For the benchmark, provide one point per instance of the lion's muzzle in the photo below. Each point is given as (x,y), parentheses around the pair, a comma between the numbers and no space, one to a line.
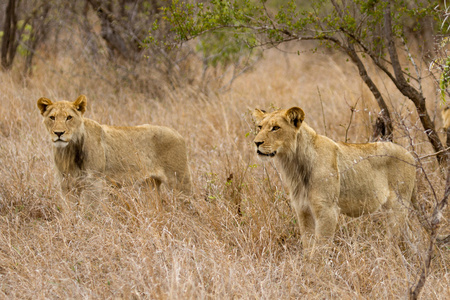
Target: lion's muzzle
(259,152)
(59,140)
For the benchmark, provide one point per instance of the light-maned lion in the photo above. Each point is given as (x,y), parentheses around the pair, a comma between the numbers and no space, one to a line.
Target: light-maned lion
(84,149)
(446,117)
(326,178)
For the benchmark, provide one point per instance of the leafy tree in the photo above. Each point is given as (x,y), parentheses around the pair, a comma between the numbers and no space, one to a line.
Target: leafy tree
(359,28)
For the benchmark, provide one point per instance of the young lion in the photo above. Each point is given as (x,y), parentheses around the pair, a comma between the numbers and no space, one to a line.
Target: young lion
(325,178)
(446,117)
(85,150)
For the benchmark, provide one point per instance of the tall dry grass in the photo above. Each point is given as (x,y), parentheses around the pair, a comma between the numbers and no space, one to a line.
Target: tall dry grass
(236,237)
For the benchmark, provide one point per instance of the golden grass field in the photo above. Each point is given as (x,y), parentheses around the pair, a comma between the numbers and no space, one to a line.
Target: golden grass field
(200,246)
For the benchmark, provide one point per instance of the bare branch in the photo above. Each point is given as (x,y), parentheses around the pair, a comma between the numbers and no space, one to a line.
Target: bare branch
(407,90)
(434,154)
(416,68)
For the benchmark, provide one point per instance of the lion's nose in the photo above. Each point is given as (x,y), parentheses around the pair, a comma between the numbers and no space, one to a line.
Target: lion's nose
(58,133)
(258,143)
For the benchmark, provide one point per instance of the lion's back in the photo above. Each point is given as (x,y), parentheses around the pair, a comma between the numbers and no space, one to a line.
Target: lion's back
(150,139)
(383,156)
(144,151)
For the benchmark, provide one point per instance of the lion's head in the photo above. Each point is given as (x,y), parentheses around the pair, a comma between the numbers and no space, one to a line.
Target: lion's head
(63,119)
(277,130)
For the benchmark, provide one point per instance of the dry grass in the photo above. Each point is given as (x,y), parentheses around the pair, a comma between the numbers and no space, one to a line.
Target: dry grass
(198,247)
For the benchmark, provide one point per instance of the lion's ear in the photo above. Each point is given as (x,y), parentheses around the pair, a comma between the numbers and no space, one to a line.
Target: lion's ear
(80,104)
(43,103)
(295,116)
(258,114)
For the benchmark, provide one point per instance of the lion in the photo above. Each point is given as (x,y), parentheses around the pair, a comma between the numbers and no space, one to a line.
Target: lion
(446,117)
(85,151)
(326,178)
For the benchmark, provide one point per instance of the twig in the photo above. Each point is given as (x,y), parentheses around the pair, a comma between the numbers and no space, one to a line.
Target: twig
(434,154)
(419,77)
(352,109)
(323,113)
(246,67)
(434,224)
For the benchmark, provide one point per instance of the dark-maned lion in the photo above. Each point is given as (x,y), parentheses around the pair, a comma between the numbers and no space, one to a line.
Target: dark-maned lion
(326,178)
(84,149)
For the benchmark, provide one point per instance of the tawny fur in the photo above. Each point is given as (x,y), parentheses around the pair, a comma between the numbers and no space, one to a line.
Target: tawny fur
(326,178)
(446,117)
(87,151)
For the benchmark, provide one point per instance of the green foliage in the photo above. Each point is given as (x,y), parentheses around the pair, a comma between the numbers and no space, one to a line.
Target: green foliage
(443,64)
(246,24)
(225,47)
(445,78)
(24,38)
(219,24)
(188,21)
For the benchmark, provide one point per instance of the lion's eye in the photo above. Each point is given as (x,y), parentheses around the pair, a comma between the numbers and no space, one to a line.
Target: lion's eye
(259,127)
(275,128)
(52,118)
(69,118)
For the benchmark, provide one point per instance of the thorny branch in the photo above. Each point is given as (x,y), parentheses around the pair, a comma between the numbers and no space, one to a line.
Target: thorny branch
(432,225)
(436,218)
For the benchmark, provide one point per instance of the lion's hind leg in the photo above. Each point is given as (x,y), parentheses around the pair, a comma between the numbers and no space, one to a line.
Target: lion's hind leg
(152,186)
(186,184)
(154,183)
(180,182)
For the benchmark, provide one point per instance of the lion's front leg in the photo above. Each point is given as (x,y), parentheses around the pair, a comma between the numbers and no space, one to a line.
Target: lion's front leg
(325,211)
(326,218)
(86,189)
(70,189)
(307,226)
(305,219)
(316,221)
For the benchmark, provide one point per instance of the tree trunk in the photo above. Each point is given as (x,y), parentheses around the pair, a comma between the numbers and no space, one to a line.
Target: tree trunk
(383,128)
(109,33)
(409,91)
(9,36)
(39,31)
